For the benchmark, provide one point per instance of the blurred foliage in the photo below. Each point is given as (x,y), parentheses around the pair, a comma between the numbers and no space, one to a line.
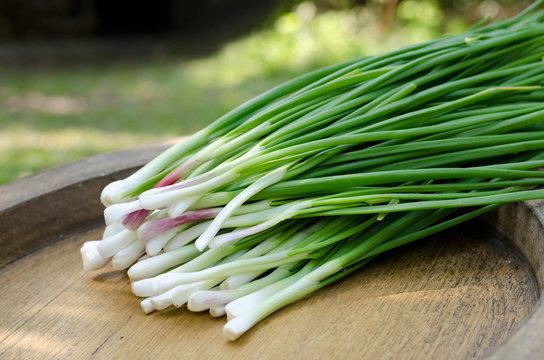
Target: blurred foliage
(57,115)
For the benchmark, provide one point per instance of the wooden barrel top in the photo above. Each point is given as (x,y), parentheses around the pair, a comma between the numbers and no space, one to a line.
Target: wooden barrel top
(471,292)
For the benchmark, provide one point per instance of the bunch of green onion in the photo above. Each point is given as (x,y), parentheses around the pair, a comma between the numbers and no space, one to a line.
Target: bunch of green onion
(309,181)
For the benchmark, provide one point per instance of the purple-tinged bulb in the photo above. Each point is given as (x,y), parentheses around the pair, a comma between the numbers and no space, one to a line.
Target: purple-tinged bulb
(133,220)
(156,226)
(136,218)
(169,179)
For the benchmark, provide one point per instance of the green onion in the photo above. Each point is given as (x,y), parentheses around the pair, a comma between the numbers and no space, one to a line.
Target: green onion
(311,180)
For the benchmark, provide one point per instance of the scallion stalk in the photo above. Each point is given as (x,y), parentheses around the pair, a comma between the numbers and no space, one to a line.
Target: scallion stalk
(311,180)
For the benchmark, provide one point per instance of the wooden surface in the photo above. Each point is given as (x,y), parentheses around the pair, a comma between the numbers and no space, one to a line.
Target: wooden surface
(471,292)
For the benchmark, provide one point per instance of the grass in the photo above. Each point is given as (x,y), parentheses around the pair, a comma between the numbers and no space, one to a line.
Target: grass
(50,118)
(53,116)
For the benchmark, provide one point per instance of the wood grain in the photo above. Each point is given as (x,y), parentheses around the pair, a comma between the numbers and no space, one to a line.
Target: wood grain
(467,293)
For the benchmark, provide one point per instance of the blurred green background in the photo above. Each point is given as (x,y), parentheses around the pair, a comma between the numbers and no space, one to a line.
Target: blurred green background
(55,113)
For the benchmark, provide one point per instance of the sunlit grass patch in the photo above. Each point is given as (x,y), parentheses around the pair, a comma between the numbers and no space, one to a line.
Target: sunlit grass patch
(24,150)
